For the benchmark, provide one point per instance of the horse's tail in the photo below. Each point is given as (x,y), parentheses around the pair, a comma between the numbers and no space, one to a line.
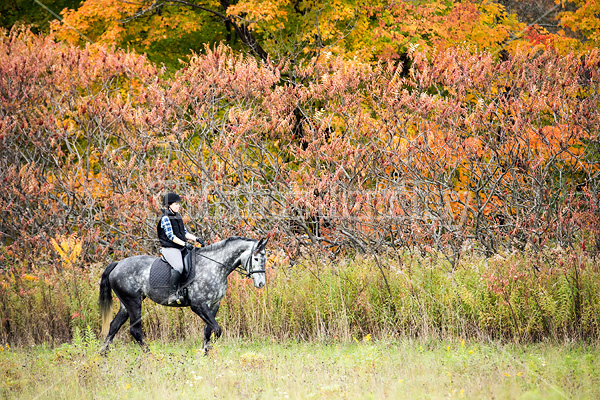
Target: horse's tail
(105,299)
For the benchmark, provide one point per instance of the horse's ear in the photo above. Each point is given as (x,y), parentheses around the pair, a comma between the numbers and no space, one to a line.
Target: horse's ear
(261,245)
(257,248)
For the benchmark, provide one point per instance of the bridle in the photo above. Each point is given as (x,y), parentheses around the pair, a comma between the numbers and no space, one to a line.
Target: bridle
(246,271)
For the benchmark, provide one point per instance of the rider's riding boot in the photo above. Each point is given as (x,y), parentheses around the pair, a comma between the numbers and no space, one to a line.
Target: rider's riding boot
(174,296)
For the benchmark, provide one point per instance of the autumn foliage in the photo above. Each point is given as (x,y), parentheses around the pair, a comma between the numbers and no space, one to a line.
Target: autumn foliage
(447,151)
(447,154)
(282,29)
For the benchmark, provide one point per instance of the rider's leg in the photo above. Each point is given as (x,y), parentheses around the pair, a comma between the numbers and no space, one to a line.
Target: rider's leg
(174,296)
(173,257)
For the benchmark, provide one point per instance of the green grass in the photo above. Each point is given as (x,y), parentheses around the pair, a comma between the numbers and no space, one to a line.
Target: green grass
(303,370)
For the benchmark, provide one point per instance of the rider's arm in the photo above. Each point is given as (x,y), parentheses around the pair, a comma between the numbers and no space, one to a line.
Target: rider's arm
(191,237)
(195,239)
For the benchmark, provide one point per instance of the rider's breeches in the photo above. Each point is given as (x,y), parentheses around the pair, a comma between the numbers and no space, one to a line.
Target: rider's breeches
(173,257)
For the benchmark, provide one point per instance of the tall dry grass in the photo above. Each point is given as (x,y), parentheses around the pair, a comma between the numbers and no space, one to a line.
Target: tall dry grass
(523,297)
(517,297)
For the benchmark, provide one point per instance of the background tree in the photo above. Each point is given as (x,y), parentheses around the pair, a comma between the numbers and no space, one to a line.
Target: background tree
(30,12)
(292,30)
(582,18)
(166,34)
(169,30)
(543,13)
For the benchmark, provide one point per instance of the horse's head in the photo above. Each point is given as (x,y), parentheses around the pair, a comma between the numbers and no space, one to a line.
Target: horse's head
(255,264)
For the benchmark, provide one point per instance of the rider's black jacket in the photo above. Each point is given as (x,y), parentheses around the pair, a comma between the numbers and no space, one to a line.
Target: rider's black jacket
(178,230)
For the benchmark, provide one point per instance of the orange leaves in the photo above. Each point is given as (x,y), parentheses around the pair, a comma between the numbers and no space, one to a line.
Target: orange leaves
(455,145)
(564,143)
(97,19)
(479,25)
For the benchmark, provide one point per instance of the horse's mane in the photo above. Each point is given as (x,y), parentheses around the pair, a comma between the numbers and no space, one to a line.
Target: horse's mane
(222,243)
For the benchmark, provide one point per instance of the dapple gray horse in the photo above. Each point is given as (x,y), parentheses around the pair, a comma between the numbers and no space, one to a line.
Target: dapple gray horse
(130,280)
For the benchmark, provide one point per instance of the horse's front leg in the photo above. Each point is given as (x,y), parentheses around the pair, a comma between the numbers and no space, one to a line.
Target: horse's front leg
(206,343)
(208,316)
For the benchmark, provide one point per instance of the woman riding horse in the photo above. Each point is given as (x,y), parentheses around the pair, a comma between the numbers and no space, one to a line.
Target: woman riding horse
(130,281)
(173,238)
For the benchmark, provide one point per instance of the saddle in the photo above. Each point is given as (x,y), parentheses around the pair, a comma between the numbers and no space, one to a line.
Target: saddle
(160,276)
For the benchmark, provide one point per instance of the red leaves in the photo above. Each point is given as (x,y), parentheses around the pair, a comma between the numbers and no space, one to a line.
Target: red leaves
(460,147)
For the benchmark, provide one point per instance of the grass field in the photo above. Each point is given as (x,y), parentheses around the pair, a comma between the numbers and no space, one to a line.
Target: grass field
(324,330)
(363,369)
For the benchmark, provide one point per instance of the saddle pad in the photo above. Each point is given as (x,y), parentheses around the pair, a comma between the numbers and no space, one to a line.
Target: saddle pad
(160,276)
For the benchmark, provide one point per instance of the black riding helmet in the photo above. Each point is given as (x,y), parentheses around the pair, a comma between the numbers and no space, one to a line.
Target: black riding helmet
(171,198)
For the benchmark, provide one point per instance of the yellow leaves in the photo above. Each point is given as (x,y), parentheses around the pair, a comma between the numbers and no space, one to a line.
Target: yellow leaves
(169,26)
(30,278)
(365,339)
(252,360)
(161,31)
(260,14)
(68,248)
(583,20)
(97,19)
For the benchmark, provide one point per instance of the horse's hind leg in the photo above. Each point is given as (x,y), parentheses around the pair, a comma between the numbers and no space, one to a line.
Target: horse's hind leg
(115,325)
(134,308)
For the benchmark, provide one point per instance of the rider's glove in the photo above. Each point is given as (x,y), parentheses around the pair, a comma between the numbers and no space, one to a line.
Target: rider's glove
(200,241)
(189,246)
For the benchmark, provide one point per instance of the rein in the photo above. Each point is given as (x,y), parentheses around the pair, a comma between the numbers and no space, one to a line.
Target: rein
(246,272)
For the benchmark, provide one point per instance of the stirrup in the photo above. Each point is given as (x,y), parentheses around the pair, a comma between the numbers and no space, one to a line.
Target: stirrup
(174,298)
